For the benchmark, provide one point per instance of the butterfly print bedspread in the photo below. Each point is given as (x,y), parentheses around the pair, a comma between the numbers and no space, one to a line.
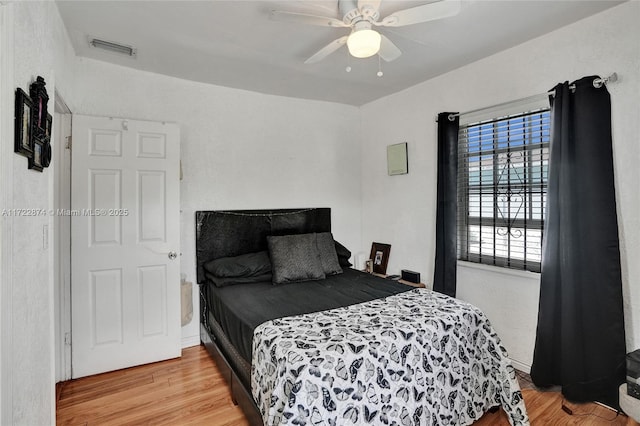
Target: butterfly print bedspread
(416,358)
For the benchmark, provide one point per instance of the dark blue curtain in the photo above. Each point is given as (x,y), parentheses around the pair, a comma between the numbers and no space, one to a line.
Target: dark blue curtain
(444,280)
(580,341)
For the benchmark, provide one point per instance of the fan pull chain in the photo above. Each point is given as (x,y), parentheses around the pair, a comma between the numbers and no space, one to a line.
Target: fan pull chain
(380,73)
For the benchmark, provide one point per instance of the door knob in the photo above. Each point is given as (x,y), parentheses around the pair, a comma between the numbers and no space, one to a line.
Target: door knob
(173,255)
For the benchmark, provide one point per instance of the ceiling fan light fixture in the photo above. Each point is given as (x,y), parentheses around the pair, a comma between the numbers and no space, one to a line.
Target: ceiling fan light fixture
(364,43)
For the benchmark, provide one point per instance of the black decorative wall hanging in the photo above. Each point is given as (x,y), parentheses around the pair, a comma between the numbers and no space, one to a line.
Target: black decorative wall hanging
(33,125)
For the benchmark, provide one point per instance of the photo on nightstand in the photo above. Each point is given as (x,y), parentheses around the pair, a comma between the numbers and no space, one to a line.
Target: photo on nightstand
(380,256)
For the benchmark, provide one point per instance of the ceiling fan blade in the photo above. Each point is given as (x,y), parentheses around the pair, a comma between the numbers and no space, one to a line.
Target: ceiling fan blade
(424,13)
(304,18)
(388,51)
(327,50)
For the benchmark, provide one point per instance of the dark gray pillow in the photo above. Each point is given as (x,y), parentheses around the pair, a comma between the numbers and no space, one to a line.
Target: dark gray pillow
(245,265)
(343,254)
(328,256)
(294,258)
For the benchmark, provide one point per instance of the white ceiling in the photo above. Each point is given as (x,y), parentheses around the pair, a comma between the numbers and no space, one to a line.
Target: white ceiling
(235,44)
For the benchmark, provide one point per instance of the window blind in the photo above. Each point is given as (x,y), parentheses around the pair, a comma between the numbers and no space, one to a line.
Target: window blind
(502,187)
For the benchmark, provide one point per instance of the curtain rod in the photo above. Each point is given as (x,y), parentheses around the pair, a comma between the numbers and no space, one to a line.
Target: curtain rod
(597,83)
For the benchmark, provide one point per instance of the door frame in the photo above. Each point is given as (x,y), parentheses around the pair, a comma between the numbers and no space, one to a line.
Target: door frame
(61,238)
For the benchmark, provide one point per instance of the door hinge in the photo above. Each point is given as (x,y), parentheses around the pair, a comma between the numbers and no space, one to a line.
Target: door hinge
(67,339)
(68,144)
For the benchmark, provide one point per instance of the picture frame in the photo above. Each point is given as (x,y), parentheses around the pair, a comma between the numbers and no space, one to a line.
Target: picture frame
(35,161)
(23,120)
(380,257)
(397,162)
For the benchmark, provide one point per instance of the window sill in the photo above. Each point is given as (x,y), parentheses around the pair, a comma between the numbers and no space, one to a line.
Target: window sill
(499,270)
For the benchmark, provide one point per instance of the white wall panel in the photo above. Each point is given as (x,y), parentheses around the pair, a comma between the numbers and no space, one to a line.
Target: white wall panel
(106,306)
(152,282)
(105,229)
(150,145)
(105,143)
(151,206)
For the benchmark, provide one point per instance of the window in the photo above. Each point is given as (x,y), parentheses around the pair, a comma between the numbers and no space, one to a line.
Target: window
(502,188)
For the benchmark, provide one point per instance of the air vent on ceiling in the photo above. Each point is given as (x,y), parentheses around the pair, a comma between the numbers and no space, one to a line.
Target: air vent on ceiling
(112,47)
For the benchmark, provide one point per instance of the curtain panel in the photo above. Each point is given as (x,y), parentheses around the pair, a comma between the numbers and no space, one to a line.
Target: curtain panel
(444,280)
(580,340)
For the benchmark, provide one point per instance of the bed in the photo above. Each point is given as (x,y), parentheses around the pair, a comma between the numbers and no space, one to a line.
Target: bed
(347,348)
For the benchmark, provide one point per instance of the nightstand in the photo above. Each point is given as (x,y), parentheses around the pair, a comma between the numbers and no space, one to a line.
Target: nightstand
(417,285)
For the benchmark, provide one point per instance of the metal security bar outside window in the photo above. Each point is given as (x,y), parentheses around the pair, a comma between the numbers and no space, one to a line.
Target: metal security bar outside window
(502,188)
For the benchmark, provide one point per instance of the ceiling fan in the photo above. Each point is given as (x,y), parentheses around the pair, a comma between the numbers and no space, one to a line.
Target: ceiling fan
(361,16)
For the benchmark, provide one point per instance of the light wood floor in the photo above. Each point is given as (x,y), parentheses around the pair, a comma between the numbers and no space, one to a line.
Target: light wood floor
(545,408)
(190,391)
(182,391)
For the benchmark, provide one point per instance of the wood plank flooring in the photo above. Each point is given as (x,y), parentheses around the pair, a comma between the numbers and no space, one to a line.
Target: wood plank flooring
(191,391)
(545,408)
(183,391)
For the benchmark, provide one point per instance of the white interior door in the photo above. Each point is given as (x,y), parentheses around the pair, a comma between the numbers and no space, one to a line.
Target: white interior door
(125,269)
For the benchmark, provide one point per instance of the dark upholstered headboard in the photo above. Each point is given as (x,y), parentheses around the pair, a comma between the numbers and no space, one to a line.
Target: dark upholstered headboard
(224,233)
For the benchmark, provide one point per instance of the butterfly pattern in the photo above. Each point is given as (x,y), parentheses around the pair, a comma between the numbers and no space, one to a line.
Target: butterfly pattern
(415,358)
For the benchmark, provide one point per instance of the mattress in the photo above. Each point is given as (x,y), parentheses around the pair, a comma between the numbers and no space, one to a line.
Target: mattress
(240,309)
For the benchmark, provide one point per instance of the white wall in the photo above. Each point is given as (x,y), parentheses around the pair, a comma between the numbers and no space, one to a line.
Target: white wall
(39,47)
(400,210)
(240,150)
(6,201)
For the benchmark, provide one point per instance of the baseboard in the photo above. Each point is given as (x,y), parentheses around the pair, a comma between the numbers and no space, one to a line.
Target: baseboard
(189,341)
(520,366)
